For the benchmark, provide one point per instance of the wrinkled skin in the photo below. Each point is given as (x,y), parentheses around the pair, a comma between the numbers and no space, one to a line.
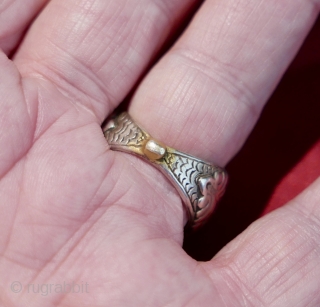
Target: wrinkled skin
(72,211)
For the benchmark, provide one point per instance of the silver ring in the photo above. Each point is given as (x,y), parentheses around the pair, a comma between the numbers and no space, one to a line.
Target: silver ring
(199,183)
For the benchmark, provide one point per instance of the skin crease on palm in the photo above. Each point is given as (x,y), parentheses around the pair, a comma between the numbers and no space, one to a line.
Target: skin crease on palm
(74,211)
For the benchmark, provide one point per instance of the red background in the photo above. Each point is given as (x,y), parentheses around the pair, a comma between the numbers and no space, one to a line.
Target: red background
(280,158)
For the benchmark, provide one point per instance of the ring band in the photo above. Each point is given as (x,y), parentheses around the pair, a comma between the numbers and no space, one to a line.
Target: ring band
(199,183)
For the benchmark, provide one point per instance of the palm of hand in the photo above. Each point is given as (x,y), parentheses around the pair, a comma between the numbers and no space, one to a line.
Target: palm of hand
(76,212)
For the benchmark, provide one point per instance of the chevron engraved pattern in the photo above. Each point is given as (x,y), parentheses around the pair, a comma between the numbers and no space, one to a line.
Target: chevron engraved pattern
(202,182)
(124,132)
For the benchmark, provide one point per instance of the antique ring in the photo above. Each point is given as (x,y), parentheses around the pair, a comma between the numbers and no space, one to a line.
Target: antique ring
(199,183)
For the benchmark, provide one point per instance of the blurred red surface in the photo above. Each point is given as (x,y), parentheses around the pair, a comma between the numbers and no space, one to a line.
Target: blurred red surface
(279,160)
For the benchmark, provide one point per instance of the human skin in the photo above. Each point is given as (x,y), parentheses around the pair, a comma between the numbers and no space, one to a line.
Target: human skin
(75,212)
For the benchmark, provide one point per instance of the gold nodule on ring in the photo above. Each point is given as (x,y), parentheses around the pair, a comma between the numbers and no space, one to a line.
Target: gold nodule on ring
(154,150)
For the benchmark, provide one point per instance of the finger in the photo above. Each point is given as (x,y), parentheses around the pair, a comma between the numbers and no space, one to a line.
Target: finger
(206,94)
(15,16)
(95,51)
(275,262)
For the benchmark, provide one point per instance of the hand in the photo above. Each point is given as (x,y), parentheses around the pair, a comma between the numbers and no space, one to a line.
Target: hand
(86,226)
